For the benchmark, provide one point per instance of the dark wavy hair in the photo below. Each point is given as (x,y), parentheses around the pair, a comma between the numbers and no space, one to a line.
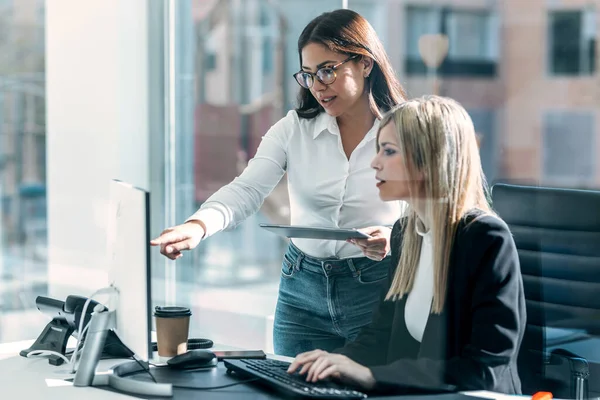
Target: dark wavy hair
(347,32)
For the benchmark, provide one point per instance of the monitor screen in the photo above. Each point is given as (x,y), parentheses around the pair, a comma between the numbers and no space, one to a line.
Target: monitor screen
(128,248)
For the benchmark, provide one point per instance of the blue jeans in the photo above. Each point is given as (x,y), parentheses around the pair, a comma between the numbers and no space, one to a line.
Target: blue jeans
(323,303)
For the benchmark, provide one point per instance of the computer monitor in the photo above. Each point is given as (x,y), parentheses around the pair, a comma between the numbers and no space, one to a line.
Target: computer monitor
(128,247)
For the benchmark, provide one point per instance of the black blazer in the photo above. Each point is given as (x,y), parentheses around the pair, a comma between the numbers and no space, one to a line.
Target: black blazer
(474,343)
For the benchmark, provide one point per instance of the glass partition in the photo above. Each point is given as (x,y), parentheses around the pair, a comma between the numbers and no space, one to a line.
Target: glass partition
(23,227)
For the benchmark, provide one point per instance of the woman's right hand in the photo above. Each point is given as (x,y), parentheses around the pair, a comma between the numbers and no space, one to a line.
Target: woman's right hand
(174,240)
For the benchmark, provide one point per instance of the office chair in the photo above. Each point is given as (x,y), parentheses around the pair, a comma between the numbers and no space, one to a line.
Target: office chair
(557,234)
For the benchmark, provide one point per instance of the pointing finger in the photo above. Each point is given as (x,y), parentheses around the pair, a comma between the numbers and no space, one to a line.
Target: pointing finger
(167,237)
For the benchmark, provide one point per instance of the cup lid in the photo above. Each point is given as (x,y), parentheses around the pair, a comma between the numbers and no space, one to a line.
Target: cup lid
(171,312)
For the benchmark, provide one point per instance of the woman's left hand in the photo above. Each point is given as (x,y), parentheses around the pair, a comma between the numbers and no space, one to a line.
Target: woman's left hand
(378,245)
(319,365)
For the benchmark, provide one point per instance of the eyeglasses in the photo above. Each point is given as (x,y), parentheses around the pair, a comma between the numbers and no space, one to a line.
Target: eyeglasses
(325,75)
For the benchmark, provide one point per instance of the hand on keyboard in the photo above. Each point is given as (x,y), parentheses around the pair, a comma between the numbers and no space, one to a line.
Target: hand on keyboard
(319,365)
(274,373)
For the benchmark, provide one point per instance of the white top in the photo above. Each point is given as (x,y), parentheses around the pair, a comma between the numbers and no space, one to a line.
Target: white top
(325,188)
(418,302)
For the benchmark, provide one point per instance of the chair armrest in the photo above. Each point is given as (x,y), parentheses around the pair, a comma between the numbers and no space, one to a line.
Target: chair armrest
(578,365)
(568,373)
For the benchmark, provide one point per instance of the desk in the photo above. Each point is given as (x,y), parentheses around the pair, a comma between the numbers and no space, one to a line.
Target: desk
(34,378)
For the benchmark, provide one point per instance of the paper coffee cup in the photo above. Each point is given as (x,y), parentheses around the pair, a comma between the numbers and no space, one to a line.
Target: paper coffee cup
(172,329)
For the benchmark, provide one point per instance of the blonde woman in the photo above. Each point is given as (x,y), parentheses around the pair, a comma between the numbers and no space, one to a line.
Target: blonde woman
(452,315)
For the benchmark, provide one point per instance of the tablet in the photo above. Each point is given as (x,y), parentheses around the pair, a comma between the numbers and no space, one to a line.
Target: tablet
(307,232)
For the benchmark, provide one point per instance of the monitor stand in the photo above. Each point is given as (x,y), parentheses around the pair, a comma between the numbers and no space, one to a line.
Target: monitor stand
(101,324)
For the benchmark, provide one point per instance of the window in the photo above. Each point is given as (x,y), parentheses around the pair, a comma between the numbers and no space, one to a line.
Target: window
(420,21)
(572,43)
(568,148)
(533,130)
(210,51)
(211,61)
(23,222)
(472,37)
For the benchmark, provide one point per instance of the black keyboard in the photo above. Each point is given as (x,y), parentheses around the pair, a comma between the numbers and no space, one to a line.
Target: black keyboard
(273,373)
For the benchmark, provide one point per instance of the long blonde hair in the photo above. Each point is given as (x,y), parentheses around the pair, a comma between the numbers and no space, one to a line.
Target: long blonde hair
(437,140)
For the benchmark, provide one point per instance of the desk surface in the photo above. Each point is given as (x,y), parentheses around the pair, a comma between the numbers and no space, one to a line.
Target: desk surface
(32,378)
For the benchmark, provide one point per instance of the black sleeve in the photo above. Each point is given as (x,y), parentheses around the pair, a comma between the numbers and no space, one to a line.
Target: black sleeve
(371,345)
(498,319)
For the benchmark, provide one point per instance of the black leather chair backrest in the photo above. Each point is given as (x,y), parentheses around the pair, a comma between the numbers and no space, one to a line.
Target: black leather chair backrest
(557,233)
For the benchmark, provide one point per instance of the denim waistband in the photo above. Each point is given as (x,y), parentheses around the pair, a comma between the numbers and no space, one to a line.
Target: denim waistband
(328,266)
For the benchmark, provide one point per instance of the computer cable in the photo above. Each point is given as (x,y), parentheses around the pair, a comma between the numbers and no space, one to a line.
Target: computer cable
(47,353)
(215,387)
(147,370)
(106,290)
(144,367)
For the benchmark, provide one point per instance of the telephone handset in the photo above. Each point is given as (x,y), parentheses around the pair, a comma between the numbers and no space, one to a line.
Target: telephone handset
(66,316)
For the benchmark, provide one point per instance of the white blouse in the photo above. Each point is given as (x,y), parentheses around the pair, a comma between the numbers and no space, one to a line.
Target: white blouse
(326,189)
(418,302)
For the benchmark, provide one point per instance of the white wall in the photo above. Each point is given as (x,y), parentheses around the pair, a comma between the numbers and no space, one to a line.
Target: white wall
(97,113)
